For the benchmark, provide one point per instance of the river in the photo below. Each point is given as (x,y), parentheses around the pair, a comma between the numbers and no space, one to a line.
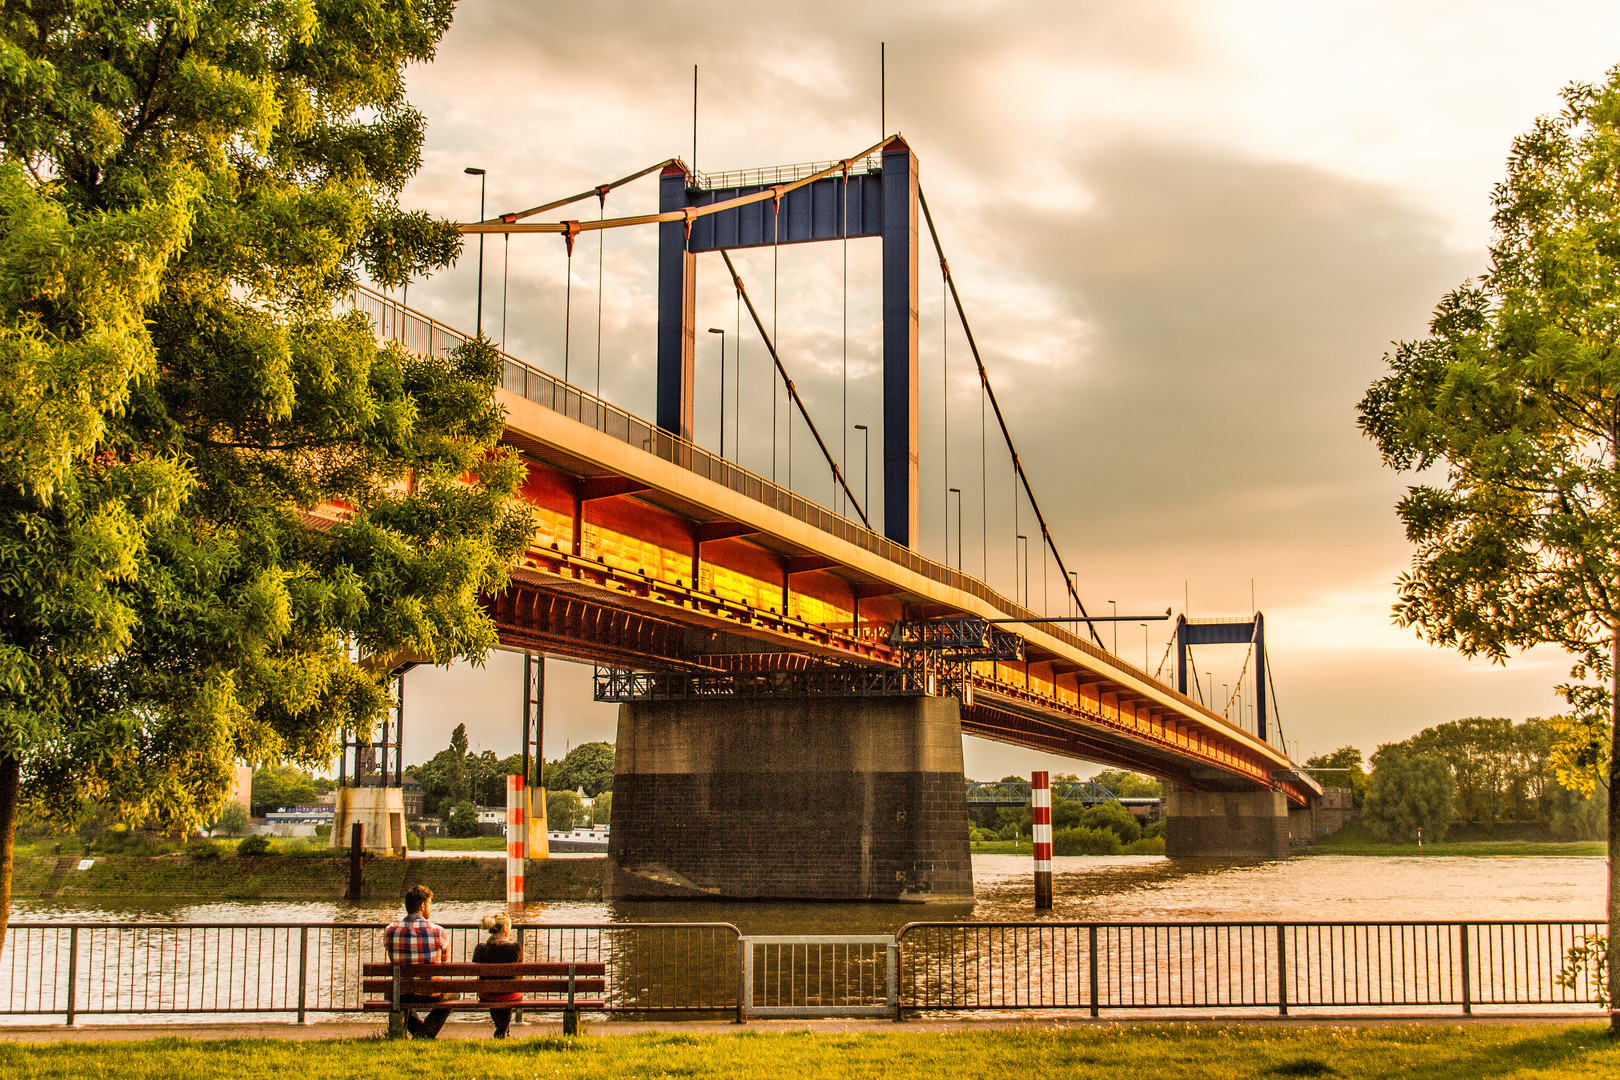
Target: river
(1318,888)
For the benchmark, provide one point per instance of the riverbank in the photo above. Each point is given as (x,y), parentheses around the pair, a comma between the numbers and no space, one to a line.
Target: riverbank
(1163,1051)
(293,877)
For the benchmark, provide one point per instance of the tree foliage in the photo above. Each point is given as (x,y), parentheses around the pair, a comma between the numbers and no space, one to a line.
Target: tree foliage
(1341,769)
(1512,405)
(587,767)
(187,193)
(1409,791)
(276,786)
(1130,785)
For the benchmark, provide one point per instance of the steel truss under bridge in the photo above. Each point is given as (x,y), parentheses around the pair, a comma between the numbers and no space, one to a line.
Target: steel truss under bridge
(941,652)
(619,685)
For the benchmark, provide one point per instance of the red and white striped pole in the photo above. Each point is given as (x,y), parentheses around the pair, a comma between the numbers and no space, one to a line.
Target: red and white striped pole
(517,835)
(1040,806)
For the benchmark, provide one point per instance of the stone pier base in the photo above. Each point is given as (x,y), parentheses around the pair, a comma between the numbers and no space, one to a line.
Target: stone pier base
(1226,825)
(791,799)
(381,810)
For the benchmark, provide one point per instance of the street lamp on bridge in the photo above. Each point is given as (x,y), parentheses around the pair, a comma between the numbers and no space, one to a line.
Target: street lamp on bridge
(478,323)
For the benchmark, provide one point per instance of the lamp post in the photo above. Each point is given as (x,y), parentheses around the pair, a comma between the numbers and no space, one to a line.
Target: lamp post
(1074,602)
(479,322)
(1025,541)
(1144,648)
(1114,611)
(866,468)
(958,493)
(722,333)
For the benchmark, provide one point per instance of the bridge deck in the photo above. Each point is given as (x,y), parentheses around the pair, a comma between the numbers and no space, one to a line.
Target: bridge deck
(653,553)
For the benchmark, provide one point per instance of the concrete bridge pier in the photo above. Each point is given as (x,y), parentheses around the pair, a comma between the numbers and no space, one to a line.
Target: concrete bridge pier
(1226,825)
(830,798)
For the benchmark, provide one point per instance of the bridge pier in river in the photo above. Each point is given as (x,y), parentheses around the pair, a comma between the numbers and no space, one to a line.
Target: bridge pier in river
(1226,824)
(824,798)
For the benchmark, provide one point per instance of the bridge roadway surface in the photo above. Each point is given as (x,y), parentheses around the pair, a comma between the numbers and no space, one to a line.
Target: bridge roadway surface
(653,554)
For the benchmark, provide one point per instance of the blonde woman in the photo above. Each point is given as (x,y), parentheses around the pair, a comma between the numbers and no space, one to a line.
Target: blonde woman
(499,948)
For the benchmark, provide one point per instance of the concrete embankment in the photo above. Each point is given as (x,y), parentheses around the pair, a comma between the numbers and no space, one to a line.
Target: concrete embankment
(286,877)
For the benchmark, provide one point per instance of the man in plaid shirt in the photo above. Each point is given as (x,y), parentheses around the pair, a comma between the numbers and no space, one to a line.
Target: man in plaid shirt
(417,940)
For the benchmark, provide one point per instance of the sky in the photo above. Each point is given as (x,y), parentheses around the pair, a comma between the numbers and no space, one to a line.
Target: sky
(1186,235)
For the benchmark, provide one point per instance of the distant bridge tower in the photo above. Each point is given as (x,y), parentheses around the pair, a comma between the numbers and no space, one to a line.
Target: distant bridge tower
(1227,632)
(881,204)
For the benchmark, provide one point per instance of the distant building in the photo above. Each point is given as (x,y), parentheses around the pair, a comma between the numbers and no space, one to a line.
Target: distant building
(242,787)
(413,798)
(296,820)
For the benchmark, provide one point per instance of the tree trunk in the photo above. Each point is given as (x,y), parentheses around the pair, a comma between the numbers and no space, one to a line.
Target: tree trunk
(10,782)
(1614,827)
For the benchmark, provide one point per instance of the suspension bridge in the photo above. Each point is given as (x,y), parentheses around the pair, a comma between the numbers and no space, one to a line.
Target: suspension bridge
(795,679)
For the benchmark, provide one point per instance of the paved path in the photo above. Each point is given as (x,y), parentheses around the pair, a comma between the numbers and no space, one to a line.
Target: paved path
(481,1029)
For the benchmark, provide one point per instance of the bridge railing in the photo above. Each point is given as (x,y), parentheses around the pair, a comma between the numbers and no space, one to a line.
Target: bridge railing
(396,322)
(1246,965)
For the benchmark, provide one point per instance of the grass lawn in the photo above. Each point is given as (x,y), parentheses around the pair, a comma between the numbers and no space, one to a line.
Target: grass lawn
(1468,847)
(1161,1052)
(465,843)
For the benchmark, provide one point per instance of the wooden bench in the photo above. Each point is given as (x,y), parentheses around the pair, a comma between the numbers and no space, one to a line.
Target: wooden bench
(548,986)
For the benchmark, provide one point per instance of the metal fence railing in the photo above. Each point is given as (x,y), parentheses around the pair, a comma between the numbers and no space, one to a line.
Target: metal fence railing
(248,969)
(1193,966)
(813,975)
(90,969)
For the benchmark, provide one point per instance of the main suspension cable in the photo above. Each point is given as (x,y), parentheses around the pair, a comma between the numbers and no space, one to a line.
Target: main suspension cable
(984,379)
(793,392)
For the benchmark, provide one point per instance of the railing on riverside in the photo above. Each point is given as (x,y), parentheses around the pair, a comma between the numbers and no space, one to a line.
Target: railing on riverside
(1244,965)
(92,969)
(801,976)
(153,969)
(395,322)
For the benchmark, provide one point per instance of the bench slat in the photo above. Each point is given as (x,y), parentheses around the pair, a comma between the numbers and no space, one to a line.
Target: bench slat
(546,967)
(481,1006)
(484,986)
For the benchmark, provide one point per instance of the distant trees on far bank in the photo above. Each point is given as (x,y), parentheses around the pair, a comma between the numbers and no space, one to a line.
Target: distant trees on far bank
(1486,775)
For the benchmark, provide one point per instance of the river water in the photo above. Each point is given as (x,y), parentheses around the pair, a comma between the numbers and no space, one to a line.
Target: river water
(1319,888)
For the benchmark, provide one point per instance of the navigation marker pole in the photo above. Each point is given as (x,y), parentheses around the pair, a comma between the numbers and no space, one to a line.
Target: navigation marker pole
(517,834)
(1040,805)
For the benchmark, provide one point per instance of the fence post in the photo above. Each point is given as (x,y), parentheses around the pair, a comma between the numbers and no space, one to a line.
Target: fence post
(73,974)
(303,970)
(745,978)
(357,833)
(1467,978)
(396,1015)
(893,987)
(571,1014)
(1095,1007)
(1282,971)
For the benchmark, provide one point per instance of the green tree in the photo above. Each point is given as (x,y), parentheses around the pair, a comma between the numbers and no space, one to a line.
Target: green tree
(233,820)
(462,819)
(1342,769)
(602,809)
(588,766)
(1512,402)
(1409,791)
(1130,785)
(1113,817)
(281,785)
(188,192)
(562,810)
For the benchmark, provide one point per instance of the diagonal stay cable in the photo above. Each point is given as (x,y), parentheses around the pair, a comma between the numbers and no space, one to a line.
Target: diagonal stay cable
(984,379)
(600,192)
(689,214)
(793,391)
